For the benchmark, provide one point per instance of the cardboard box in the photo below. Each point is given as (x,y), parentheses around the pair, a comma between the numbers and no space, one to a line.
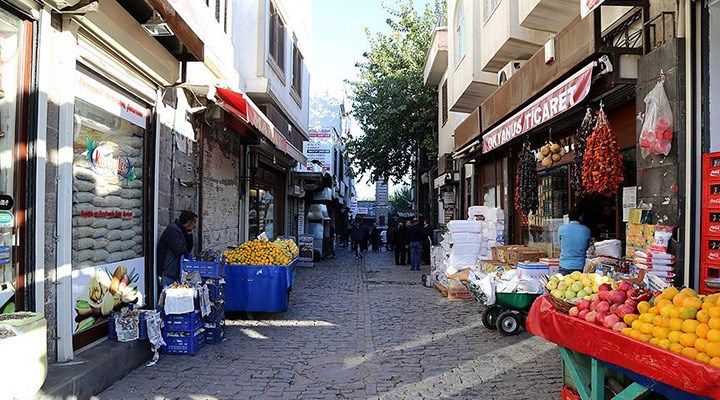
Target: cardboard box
(502,253)
(492,266)
(458,292)
(520,255)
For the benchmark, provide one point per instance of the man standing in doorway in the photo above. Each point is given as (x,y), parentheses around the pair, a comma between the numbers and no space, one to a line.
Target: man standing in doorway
(415,238)
(574,241)
(175,242)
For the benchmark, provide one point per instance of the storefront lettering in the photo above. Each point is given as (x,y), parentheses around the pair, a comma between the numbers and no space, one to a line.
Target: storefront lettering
(107,214)
(562,98)
(96,93)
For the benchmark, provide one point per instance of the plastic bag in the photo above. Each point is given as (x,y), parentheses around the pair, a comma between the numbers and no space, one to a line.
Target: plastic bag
(657,129)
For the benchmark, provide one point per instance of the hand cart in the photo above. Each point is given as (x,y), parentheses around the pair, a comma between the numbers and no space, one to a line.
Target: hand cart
(508,313)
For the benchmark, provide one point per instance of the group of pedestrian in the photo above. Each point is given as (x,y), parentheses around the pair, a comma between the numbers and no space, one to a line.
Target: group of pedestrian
(412,240)
(363,236)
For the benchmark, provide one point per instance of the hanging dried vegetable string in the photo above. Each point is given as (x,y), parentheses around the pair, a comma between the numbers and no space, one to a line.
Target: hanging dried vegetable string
(602,171)
(581,136)
(527,181)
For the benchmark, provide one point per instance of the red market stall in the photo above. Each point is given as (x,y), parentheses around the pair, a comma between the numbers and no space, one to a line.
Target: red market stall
(650,367)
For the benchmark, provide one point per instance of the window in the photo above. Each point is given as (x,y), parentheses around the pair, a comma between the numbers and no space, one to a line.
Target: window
(297,71)
(460,39)
(444,103)
(277,38)
(490,6)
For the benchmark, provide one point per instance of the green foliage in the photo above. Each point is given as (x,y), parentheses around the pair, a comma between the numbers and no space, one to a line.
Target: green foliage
(401,199)
(395,110)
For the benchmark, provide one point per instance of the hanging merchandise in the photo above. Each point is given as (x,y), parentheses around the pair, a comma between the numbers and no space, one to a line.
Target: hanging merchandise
(581,137)
(550,153)
(602,170)
(527,181)
(657,133)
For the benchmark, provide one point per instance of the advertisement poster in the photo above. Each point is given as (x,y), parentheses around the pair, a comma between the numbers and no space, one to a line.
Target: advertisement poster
(320,148)
(103,288)
(629,201)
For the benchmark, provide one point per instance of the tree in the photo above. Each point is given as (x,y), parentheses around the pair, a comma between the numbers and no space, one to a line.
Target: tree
(395,110)
(401,199)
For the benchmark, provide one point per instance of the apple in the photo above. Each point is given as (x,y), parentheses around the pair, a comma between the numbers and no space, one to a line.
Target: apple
(562,286)
(590,316)
(574,312)
(624,286)
(583,313)
(583,304)
(600,318)
(619,326)
(602,307)
(576,287)
(610,321)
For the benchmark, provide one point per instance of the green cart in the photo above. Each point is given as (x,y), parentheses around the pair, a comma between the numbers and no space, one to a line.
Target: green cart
(508,313)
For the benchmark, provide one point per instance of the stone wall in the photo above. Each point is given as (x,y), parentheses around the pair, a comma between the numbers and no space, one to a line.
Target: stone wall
(661,179)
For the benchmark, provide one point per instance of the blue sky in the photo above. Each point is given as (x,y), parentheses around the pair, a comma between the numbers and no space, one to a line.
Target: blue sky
(338,42)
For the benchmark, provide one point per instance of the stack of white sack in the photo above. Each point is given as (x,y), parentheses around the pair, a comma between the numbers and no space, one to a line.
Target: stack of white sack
(466,239)
(609,248)
(657,263)
(493,224)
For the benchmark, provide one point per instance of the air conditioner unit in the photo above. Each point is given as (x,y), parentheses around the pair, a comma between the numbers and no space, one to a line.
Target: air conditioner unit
(509,70)
(60,4)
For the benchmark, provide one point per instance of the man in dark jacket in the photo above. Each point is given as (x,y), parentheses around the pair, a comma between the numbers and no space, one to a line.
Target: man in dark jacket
(427,240)
(415,239)
(175,242)
(360,236)
(400,241)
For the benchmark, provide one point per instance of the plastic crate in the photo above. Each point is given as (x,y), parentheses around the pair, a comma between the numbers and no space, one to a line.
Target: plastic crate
(189,322)
(217,290)
(217,312)
(142,329)
(184,344)
(214,333)
(206,269)
(257,288)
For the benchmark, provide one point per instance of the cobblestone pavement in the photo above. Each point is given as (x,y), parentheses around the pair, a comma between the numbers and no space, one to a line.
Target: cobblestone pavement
(356,331)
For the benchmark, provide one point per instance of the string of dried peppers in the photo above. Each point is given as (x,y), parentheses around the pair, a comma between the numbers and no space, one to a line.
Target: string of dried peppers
(581,136)
(527,181)
(602,170)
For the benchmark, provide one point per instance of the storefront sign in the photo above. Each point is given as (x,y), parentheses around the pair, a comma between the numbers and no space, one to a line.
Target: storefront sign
(110,161)
(562,98)
(448,198)
(6,202)
(362,210)
(107,214)
(102,96)
(587,6)
(103,288)
(7,219)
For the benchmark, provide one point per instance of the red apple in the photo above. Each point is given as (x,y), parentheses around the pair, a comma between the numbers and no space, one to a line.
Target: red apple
(590,316)
(600,318)
(583,304)
(619,326)
(610,320)
(574,312)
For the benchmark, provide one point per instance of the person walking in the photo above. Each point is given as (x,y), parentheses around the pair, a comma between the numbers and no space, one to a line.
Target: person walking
(175,242)
(427,240)
(415,239)
(390,238)
(574,241)
(359,236)
(375,239)
(399,243)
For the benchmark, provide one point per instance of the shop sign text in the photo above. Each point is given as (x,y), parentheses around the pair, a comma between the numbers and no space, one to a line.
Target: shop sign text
(106,214)
(562,98)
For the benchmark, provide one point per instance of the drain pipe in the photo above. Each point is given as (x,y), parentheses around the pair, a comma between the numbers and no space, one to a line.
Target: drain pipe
(685,31)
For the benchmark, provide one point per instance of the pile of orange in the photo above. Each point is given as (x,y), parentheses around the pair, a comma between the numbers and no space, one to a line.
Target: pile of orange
(680,321)
(257,252)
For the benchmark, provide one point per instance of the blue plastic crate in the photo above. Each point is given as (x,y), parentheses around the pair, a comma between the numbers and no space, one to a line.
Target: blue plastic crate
(142,329)
(214,333)
(206,269)
(217,290)
(217,312)
(185,344)
(257,288)
(189,322)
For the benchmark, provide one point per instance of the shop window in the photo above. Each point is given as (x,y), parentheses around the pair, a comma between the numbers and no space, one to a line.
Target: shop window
(262,212)
(297,71)
(460,44)
(108,253)
(277,38)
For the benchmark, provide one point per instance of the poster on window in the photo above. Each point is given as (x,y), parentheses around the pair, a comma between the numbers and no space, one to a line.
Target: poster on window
(98,290)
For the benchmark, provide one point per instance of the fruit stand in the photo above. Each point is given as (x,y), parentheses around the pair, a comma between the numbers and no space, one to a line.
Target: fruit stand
(259,275)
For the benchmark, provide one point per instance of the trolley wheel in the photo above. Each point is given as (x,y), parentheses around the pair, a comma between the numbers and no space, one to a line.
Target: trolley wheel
(489,317)
(508,323)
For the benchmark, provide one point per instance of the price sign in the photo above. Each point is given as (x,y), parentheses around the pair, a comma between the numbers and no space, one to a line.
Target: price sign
(305,244)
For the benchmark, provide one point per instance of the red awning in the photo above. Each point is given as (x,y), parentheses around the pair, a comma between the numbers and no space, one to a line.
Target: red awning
(244,109)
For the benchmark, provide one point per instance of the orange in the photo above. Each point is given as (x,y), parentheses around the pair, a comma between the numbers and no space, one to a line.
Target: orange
(635,334)
(674,336)
(643,307)
(688,339)
(713,335)
(654,311)
(689,292)
(664,343)
(626,331)
(703,358)
(675,312)
(647,317)
(707,304)
(713,349)
(657,320)
(702,330)
(676,324)
(714,323)
(647,328)
(692,302)
(665,310)
(661,303)
(690,352)
(663,321)
(676,348)
(715,362)
(654,341)
(636,324)
(689,325)
(630,318)
(714,311)
(702,316)
(701,344)
(687,312)
(712,299)
(660,332)
(645,337)
(679,298)
(669,293)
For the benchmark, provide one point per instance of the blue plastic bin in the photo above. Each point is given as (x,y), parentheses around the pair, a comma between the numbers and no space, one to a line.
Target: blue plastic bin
(189,322)
(217,312)
(206,269)
(257,288)
(217,290)
(214,333)
(186,344)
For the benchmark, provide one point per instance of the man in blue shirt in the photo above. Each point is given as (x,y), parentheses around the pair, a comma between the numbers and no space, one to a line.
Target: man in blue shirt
(574,242)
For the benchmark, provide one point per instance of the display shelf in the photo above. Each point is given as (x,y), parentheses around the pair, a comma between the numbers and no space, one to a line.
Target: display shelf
(710,222)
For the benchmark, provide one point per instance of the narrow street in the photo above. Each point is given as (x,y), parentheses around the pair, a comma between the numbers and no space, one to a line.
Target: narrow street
(357,332)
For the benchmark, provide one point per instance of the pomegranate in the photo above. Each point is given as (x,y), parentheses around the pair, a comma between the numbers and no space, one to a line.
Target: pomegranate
(600,318)
(619,326)
(595,297)
(593,305)
(624,309)
(583,304)
(632,303)
(613,308)
(624,286)
(604,295)
(583,313)
(605,287)
(603,307)
(590,316)
(617,297)
(610,321)
(574,312)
